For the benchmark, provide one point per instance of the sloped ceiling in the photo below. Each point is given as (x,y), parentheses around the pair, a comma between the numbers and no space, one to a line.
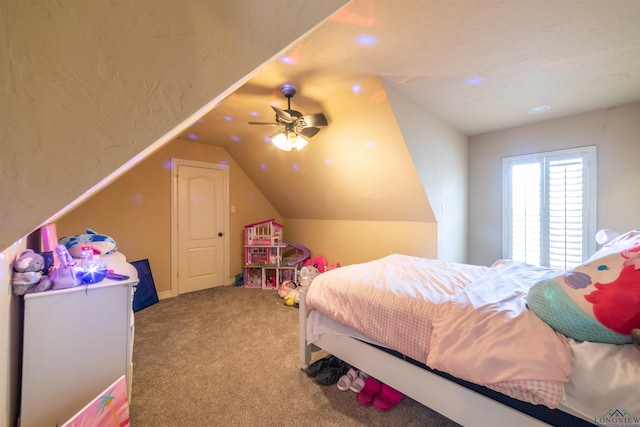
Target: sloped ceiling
(89,88)
(475,65)
(362,170)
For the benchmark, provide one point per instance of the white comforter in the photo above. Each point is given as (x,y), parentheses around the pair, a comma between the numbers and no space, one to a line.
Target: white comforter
(469,321)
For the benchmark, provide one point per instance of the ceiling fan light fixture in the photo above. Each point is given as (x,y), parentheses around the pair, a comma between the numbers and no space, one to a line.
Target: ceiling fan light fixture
(296,127)
(287,141)
(300,143)
(280,141)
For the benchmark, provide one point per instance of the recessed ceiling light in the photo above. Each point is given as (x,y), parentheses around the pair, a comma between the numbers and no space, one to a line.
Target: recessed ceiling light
(539,109)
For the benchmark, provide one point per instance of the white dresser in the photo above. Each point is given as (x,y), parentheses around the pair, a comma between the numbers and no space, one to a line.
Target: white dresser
(77,342)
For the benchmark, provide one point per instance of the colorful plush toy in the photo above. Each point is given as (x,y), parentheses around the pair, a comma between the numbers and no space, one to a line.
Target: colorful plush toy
(598,301)
(320,263)
(100,243)
(289,293)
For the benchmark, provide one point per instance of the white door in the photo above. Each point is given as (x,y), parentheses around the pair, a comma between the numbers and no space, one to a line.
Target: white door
(200,228)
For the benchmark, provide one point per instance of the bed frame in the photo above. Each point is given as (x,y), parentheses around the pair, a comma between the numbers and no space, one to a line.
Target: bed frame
(455,401)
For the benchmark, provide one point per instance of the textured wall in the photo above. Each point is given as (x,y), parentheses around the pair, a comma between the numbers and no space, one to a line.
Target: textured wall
(86,86)
(439,153)
(136,209)
(614,131)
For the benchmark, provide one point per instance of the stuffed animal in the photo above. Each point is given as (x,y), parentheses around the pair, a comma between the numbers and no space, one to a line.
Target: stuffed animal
(318,261)
(292,298)
(284,289)
(635,337)
(289,292)
(598,301)
(27,271)
(44,285)
(100,243)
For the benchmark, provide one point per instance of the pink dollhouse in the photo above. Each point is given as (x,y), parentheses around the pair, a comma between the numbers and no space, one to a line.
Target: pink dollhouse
(263,233)
(263,263)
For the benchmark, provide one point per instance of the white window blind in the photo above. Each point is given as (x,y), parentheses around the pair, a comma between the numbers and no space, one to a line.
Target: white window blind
(549,207)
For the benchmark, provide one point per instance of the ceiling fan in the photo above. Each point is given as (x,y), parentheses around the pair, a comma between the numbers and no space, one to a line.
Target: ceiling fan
(294,125)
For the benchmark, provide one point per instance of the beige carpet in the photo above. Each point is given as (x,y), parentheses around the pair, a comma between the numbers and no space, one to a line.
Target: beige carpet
(229,356)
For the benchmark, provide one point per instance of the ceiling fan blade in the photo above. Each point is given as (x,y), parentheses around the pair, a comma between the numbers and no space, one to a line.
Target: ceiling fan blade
(309,132)
(264,123)
(317,119)
(283,115)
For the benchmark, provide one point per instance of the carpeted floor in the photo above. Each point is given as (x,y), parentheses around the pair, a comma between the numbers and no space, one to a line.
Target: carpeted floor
(229,356)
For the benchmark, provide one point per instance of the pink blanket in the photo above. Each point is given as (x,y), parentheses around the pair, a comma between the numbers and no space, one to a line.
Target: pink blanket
(469,321)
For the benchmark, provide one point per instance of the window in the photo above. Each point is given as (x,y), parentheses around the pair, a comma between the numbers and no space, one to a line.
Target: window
(549,207)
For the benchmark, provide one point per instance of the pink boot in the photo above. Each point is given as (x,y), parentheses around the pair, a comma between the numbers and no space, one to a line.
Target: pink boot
(368,393)
(387,398)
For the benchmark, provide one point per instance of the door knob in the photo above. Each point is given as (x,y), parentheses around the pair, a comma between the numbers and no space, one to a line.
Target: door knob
(220,234)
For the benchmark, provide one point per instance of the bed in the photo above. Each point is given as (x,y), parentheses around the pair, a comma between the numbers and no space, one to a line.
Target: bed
(464,341)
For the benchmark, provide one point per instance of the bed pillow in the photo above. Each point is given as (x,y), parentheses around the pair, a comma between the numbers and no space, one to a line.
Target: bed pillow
(597,301)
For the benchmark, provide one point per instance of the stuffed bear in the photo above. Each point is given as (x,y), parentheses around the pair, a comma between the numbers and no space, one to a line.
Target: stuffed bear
(27,271)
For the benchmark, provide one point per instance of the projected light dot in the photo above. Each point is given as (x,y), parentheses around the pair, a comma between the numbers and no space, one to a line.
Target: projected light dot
(366,40)
(254,113)
(267,140)
(474,80)
(263,166)
(193,136)
(228,118)
(539,109)
(235,138)
(296,167)
(356,88)
(369,144)
(287,60)
(328,161)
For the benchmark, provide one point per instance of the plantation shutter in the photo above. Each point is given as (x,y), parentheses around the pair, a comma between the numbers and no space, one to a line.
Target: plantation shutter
(566,204)
(548,202)
(526,212)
